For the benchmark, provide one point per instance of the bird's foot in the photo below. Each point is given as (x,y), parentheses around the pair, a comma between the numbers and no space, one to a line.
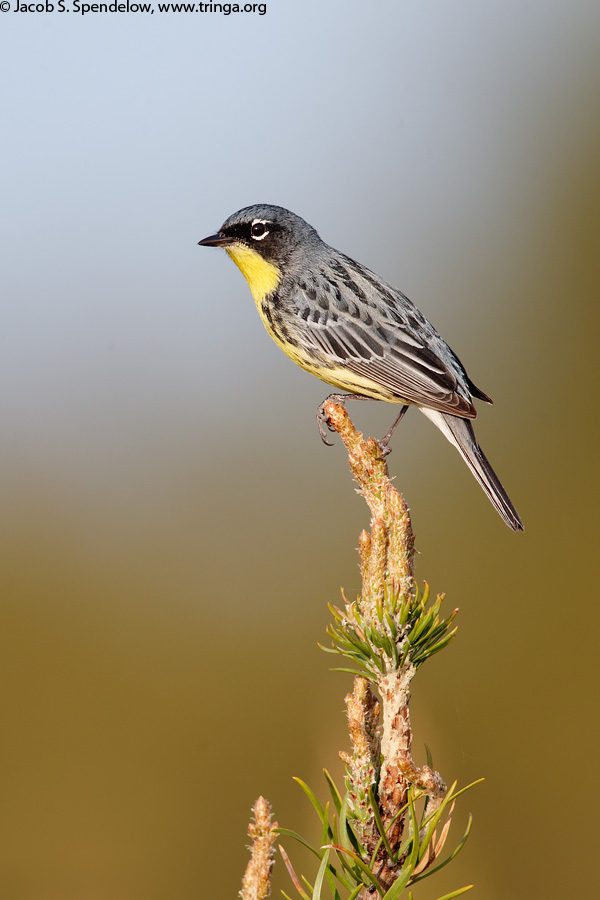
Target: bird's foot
(384,442)
(384,450)
(323,418)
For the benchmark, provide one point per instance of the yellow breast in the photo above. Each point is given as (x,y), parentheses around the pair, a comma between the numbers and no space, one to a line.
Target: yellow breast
(262,276)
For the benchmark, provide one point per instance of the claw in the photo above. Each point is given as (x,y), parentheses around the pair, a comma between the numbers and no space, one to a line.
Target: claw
(323,420)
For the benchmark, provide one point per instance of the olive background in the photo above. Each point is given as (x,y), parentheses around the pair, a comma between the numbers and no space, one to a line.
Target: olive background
(172,526)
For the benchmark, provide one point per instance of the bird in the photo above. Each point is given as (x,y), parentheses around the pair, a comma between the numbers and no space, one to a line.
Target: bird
(340,321)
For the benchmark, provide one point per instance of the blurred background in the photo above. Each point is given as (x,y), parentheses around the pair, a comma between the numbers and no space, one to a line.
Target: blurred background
(173,527)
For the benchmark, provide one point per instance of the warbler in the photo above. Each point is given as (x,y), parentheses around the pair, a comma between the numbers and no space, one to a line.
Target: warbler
(346,325)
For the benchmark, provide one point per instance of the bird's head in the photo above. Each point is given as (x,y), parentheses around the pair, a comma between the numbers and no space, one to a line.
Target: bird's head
(262,240)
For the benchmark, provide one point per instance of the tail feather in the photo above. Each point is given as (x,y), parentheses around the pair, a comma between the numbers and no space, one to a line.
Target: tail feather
(460,433)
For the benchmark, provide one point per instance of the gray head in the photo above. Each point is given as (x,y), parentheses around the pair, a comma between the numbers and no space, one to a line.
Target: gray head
(272,231)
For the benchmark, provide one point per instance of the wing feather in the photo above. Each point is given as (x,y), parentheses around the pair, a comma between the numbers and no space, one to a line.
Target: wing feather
(363,325)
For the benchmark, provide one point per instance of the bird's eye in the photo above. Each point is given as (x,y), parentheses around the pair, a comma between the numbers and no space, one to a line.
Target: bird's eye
(259,230)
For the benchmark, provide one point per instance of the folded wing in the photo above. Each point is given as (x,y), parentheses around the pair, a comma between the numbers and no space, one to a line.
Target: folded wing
(365,326)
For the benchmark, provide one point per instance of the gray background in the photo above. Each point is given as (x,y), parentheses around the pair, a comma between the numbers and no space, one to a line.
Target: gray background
(173,528)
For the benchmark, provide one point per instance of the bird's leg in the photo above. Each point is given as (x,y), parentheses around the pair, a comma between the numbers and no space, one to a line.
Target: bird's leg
(322,420)
(383,443)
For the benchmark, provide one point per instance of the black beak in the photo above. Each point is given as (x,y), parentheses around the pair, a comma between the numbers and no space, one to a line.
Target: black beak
(216,240)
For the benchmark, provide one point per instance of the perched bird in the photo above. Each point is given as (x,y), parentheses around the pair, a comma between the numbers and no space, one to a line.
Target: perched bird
(346,325)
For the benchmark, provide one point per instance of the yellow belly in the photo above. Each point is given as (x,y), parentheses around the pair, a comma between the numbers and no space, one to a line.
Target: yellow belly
(347,380)
(263,278)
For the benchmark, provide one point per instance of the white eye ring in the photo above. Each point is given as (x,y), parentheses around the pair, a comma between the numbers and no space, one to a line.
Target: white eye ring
(259,237)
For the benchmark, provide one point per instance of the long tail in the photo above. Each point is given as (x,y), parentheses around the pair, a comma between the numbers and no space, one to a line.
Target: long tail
(460,433)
